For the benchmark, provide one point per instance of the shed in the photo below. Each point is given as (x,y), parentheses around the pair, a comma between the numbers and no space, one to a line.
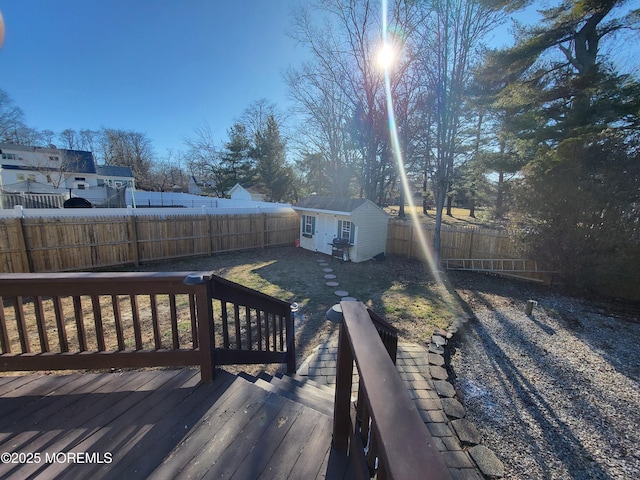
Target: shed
(253,193)
(356,220)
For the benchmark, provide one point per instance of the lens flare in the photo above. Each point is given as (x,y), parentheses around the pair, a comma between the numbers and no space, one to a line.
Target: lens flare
(397,153)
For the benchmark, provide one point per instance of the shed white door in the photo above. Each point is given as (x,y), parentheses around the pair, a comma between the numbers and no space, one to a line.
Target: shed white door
(325,232)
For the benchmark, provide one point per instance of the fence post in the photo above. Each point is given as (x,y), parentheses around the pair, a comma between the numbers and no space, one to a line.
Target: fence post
(133,236)
(207,232)
(265,240)
(25,259)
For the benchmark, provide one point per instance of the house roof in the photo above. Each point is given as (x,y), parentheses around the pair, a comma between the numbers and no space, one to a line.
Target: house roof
(114,171)
(76,161)
(334,204)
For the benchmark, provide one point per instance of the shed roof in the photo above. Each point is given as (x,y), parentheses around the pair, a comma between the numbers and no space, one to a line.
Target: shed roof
(334,204)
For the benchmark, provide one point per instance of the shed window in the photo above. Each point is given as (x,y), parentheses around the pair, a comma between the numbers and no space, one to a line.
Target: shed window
(308,225)
(346,230)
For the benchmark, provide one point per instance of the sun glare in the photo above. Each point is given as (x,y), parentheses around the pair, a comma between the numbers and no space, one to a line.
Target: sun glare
(386,56)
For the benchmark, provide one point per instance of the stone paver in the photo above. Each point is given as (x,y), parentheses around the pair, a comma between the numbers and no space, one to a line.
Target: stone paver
(432,398)
(489,464)
(423,372)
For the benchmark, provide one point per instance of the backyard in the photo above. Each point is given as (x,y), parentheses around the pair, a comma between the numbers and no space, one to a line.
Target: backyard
(400,289)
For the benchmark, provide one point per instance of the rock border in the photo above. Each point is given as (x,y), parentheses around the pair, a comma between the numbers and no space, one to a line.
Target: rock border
(468,435)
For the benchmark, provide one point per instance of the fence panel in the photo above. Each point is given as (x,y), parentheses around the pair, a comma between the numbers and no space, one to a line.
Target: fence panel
(466,248)
(58,244)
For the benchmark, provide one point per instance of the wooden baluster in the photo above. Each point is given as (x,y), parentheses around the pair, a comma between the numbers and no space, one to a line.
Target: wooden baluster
(281,321)
(259,324)
(62,330)
(225,325)
(174,321)
(266,330)
(236,320)
(194,323)
(117,318)
(157,341)
(97,318)
(135,316)
(22,326)
(372,452)
(82,335)
(4,334)
(274,332)
(42,328)
(248,318)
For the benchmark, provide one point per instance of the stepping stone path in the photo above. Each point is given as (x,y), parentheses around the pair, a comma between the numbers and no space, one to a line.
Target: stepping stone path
(329,276)
(323,264)
(327,270)
(332,284)
(341,293)
(349,299)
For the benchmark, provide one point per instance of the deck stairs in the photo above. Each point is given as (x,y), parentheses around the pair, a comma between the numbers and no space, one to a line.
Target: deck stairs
(298,389)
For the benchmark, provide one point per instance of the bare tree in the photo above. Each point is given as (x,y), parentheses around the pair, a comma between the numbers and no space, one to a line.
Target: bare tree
(128,148)
(345,51)
(203,159)
(11,120)
(450,40)
(68,139)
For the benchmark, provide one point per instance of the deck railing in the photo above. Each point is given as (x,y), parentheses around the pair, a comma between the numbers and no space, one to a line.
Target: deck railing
(385,435)
(129,320)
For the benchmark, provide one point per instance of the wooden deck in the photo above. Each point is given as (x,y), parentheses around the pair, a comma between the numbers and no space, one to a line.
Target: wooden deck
(159,424)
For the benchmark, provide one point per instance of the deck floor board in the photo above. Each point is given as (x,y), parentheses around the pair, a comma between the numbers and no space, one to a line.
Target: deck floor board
(160,424)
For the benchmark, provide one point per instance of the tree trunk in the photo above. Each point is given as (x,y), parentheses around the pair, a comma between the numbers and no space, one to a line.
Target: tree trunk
(401,213)
(499,197)
(449,201)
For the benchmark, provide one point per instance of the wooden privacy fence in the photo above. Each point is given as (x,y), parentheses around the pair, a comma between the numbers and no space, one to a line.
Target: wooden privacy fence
(82,243)
(466,248)
(117,320)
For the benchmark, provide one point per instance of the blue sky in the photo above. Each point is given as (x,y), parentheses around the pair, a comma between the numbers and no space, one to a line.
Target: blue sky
(162,67)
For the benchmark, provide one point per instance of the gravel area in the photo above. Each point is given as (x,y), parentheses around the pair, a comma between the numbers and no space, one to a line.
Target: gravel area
(555,395)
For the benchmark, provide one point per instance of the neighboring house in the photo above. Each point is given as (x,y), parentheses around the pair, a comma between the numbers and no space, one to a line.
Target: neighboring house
(358,222)
(199,186)
(54,171)
(115,177)
(57,168)
(238,192)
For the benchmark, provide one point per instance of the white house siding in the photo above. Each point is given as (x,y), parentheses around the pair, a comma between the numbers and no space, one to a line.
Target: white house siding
(371,232)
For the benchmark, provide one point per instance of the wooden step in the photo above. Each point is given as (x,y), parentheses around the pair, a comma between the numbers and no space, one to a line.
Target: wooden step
(302,380)
(285,381)
(299,395)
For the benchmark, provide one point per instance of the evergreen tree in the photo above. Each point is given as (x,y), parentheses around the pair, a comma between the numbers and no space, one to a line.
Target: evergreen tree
(578,200)
(235,161)
(269,153)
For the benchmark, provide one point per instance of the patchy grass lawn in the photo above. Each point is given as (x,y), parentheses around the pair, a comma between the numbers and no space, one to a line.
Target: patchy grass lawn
(402,290)
(459,217)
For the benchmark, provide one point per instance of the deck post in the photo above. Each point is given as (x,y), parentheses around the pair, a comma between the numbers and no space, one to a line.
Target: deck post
(291,344)
(344,380)
(206,342)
